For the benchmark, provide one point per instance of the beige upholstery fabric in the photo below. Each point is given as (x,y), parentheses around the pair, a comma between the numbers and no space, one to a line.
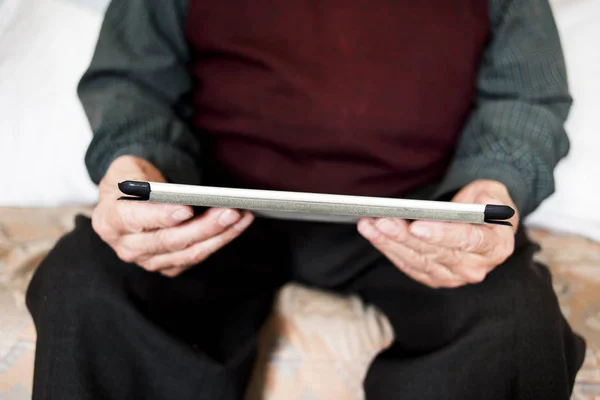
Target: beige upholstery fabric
(318,346)
(315,346)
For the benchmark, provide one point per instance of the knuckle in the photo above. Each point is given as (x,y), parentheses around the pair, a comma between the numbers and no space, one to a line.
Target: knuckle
(433,284)
(443,280)
(401,265)
(125,254)
(188,259)
(205,250)
(423,265)
(454,284)
(130,221)
(442,275)
(149,266)
(475,238)
(176,272)
(378,240)
(421,261)
(501,252)
(475,276)
(227,237)
(509,247)
(163,218)
(453,257)
(166,244)
(171,272)
(172,242)
(99,223)
(402,234)
(161,241)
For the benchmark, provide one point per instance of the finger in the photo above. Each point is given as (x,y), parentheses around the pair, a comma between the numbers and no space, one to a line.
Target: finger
(420,268)
(398,230)
(408,260)
(393,228)
(168,240)
(492,244)
(421,262)
(173,272)
(134,217)
(414,274)
(372,229)
(445,256)
(483,192)
(465,267)
(470,238)
(503,245)
(197,252)
(473,266)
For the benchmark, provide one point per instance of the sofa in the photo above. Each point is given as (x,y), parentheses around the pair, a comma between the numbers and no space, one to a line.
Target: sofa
(298,358)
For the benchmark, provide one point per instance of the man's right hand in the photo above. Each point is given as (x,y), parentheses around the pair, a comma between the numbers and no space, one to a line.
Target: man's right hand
(165,238)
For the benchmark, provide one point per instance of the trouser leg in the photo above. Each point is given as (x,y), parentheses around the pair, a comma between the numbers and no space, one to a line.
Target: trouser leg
(502,339)
(110,330)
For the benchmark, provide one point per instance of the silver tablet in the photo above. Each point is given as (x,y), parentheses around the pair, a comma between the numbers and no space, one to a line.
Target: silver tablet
(314,206)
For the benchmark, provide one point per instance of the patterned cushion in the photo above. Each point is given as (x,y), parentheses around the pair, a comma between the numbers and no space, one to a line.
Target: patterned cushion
(298,358)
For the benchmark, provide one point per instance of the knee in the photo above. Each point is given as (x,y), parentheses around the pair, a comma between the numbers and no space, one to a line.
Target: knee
(537,322)
(530,301)
(65,277)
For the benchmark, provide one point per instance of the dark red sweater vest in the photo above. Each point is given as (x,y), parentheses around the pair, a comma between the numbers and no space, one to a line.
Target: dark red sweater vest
(340,96)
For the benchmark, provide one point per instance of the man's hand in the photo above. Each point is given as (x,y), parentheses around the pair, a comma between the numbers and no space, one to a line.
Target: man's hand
(159,237)
(443,254)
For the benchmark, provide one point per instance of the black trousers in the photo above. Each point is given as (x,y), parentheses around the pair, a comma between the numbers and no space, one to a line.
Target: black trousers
(109,330)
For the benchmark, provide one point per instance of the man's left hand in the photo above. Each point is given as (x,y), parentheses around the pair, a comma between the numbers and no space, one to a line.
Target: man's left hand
(447,254)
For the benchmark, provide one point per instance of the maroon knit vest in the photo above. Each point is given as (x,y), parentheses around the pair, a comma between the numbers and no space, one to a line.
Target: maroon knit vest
(341,96)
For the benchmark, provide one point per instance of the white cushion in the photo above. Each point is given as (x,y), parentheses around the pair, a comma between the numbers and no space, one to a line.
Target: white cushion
(46,45)
(575,207)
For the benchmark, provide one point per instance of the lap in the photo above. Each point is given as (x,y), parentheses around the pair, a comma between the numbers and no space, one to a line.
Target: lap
(231,292)
(479,341)
(216,306)
(428,318)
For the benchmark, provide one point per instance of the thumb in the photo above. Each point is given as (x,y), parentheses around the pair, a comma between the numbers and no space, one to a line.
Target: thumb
(484,191)
(127,168)
(488,192)
(487,198)
(492,199)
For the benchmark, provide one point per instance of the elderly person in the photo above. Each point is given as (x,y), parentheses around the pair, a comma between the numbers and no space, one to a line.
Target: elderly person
(430,99)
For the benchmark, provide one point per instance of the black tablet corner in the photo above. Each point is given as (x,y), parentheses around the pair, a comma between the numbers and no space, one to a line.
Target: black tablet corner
(139,190)
(495,214)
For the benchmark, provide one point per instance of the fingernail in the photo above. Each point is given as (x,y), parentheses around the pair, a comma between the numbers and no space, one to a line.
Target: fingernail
(367,229)
(181,215)
(228,217)
(243,224)
(388,227)
(420,231)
